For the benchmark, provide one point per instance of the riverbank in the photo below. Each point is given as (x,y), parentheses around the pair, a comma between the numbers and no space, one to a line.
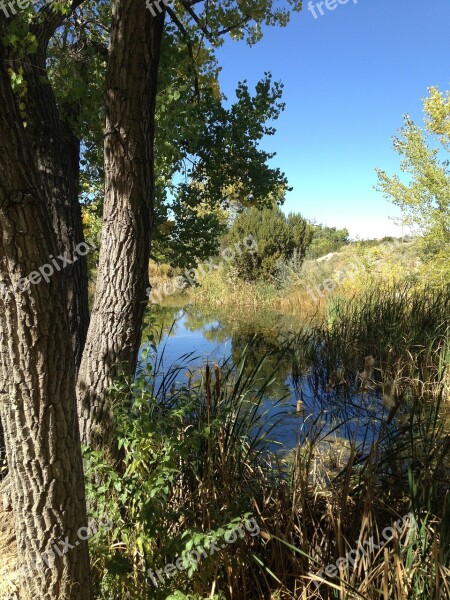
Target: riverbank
(313,286)
(197,444)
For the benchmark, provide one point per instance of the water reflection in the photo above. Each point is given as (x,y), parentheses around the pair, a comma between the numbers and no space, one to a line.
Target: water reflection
(314,399)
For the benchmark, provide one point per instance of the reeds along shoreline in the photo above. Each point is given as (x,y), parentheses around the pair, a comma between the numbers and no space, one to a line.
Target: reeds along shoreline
(196,458)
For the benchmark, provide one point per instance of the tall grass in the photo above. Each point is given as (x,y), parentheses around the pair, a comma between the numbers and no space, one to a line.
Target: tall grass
(215,288)
(405,330)
(197,456)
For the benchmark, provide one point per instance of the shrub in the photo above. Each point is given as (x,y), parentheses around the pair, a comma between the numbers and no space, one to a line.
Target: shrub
(276,235)
(326,240)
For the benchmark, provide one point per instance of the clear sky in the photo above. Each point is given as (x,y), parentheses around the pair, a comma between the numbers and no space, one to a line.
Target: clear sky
(349,77)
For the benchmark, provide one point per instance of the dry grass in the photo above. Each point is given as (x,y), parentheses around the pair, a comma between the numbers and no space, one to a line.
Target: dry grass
(361,463)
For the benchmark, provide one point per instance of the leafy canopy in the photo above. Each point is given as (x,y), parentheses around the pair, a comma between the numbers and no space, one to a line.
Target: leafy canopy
(207,154)
(424,198)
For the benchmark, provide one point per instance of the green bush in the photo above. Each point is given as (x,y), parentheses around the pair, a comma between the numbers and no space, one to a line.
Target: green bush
(276,237)
(189,472)
(326,240)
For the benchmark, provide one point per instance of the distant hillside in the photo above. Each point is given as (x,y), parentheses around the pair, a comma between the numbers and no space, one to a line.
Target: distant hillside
(358,263)
(347,271)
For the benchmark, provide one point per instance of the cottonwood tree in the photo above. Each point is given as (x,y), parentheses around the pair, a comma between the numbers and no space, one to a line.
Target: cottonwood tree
(37,375)
(38,408)
(423,193)
(47,348)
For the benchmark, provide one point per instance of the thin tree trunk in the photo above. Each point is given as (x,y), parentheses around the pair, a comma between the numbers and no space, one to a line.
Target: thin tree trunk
(120,301)
(37,382)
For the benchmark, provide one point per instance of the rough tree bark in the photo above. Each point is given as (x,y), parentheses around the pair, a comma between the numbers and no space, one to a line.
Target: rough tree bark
(120,301)
(56,151)
(39,217)
(57,155)
(37,381)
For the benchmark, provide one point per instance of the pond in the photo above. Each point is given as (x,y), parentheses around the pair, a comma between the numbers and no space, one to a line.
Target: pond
(192,336)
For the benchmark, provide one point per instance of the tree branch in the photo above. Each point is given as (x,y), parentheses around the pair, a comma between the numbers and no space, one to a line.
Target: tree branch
(204,28)
(51,21)
(245,20)
(190,48)
(196,18)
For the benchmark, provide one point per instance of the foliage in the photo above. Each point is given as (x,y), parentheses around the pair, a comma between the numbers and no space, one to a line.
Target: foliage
(307,286)
(326,239)
(377,367)
(195,458)
(386,263)
(221,287)
(189,453)
(207,151)
(425,198)
(276,236)
(374,323)
(291,272)
(226,168)
(92,229)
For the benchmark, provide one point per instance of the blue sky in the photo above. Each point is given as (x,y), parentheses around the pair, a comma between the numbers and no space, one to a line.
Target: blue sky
(349,77)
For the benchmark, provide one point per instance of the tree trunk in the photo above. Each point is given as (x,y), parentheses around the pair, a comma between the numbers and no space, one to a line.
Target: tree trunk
(37,382)
(120,301)
(9,577)
(56,151)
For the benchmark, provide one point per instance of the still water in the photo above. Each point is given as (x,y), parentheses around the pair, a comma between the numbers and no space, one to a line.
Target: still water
(192,336)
